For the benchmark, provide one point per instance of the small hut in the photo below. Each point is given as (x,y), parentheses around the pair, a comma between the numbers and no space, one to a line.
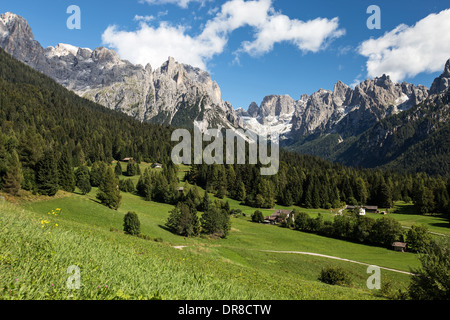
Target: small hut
(399,246)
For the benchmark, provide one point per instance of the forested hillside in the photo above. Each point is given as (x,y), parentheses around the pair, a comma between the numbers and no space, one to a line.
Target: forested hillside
(47,130)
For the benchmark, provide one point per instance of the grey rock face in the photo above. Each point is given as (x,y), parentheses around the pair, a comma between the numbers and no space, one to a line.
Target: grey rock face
(351,111)
(442,83)
(174,94)
(182,95)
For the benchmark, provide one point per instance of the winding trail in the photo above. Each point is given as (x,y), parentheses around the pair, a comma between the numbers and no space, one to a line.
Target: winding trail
(334,258)
(319,255)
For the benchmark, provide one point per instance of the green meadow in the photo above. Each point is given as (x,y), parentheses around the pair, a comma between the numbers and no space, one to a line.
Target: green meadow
(40,239)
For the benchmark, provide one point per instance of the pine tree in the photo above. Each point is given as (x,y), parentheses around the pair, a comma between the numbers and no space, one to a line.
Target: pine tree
(118,169)
(215,221)
(183,220)
(384,195)
(109,193)
(47,174)
(131,169)
(13,177)
(82,179)
(98,171)
(66,178)
(241,192)
(206,203)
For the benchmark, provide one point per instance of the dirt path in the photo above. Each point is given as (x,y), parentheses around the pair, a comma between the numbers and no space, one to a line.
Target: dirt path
(319,255)
(334,258)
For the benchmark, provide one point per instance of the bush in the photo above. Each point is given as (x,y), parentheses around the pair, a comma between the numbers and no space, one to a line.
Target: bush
(418,237)
(126,185)
(301,221)
(432,280)
(334,275)
(131,224)
(236,212)
(385,231)
(258,217)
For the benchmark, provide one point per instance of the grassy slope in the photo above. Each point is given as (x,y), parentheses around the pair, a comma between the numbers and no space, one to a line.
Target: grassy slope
(232,268)
(34,261)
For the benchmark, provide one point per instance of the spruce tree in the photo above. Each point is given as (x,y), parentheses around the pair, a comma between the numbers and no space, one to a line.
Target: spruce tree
(131,169)
(215,221)
(183,220)
(384,195)
(206,203)
(109,193)
(47,174)
(118,169)
(241,192)
(66,176)
(13,177)
(82,179)
(98,171)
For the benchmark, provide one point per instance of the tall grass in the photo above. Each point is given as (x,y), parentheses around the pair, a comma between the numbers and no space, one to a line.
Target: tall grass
(34,262)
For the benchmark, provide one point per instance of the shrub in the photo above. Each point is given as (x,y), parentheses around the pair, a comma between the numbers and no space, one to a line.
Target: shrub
(386,230)
(236,212)
(432,280)
(301,221)
(334,275)
(126,185)
(418,237)
(258,217)
(131,224)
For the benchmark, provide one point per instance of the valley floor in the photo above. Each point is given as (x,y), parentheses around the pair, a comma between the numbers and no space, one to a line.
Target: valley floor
(41,237)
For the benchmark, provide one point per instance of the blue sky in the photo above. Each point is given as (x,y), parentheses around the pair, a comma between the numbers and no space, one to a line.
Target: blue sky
(259,47)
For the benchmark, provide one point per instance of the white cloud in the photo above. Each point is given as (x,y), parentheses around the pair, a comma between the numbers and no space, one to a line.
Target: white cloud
(154,44)
(181,3)
(312,35)
(144,18)
(409,50)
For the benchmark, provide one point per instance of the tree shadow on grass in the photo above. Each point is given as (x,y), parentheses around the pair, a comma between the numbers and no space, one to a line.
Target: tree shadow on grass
(164,228)
(95,200)
(406,209)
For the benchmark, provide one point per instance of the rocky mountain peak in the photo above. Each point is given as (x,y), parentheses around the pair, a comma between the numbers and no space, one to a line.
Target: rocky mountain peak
(253,110)
(442,83)
(15,26)
(174,93)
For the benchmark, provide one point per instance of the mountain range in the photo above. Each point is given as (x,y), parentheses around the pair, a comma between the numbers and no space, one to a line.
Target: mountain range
(377,123)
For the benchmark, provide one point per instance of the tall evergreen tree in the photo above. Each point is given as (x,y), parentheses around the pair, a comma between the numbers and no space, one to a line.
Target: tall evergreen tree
(118,169)
(206,203)
(66,177)
(109,193)
(47,174)
(215,221)
(98,172)
(13,176)
(183,220)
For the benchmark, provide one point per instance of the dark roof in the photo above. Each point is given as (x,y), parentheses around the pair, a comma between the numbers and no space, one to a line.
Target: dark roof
(280,212)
